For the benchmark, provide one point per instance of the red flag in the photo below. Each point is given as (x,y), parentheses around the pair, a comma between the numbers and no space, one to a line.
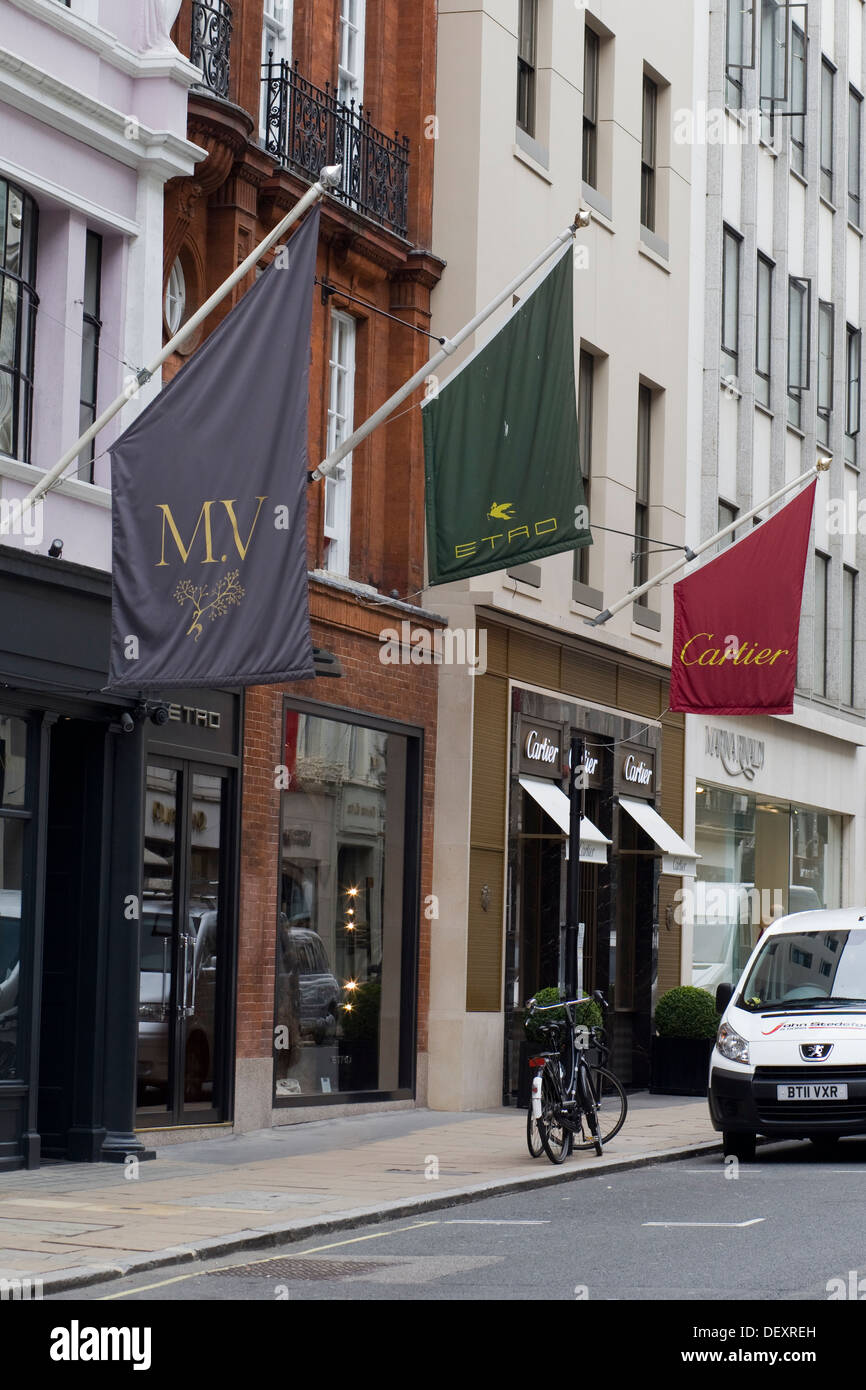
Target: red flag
(737,620)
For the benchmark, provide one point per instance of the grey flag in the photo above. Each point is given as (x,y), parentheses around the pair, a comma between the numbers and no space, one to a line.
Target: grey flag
(209,505)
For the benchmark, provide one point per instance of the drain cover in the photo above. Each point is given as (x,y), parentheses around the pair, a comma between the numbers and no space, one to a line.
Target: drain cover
(298,1268)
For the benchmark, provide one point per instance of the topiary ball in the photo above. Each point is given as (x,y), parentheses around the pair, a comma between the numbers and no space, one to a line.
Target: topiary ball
(686,1012)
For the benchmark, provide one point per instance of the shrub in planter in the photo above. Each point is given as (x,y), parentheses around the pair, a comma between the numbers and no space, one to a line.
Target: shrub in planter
(686,1012)
(586,1014)
(686,1023)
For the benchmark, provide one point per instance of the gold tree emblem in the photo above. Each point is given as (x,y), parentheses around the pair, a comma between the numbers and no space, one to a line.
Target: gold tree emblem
(226,594)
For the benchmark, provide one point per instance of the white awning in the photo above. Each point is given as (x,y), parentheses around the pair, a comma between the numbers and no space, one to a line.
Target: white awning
(552,799)
(677,856)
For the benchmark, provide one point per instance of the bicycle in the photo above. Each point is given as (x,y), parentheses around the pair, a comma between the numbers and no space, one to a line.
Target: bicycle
(573,1104)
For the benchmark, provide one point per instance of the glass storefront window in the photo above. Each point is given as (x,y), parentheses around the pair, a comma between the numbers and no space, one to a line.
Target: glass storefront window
(340,949)
(11,866)
(759,860)
(13,761)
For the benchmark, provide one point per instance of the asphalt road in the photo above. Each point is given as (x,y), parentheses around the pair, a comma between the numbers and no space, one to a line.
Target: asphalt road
(782,1228)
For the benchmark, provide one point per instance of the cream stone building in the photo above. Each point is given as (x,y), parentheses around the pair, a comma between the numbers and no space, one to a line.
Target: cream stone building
(544,107)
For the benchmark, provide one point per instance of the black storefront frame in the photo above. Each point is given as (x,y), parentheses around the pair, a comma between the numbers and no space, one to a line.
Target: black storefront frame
(607,728)
(53,668)
(192,761)
(410,957)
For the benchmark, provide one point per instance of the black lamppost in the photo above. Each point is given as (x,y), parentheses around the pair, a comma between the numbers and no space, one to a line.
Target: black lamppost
(577,802)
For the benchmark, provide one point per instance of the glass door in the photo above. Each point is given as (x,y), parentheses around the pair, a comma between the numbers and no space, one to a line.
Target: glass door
(182,996)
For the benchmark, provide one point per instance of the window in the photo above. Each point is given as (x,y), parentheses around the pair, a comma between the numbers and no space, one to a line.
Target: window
(341,415)
(350,84)
(774,57)
(763,318)
(799,332)
(276,47)
(526,41)
(727,514)
(828,82)
(739,48)
(855,123)
(798,100)
(345,932)
(852,406)
(590,107)
(648,155)
(819,650)
(18,301)
(91,327)
(825,370)
(730,301)
(642,490)
(175,298)
(849,619)
(13,883)
(586,381)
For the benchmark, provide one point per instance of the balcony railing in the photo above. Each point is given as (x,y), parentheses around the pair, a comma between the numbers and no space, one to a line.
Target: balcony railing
(210,43)
(307,128)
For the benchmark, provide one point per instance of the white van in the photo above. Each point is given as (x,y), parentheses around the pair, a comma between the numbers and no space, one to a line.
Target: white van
(789,1060)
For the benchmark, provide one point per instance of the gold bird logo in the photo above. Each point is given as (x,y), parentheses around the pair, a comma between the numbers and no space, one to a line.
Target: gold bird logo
(501,511)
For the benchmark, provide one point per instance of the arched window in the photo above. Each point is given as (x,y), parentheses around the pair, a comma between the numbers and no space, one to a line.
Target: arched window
(175,298)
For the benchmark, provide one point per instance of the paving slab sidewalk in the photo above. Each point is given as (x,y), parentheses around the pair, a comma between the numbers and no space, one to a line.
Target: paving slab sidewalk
(76,1224)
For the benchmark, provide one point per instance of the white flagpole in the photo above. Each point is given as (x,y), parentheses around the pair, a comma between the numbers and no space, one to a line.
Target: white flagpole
(343,450)
(820,467)
(329,179)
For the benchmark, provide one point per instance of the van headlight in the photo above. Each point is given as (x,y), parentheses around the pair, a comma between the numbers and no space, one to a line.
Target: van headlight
(732,1046)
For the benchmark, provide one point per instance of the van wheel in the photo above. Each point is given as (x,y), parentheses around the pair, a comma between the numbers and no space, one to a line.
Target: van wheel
(824,1143)
(741,1146)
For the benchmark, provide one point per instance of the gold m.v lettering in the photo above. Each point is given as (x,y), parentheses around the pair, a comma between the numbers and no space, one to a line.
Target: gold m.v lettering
(226,593)
(205,522)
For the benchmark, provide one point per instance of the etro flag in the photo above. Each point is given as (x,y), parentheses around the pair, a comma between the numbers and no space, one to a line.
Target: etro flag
(209,501)
(737,620)
(503,479)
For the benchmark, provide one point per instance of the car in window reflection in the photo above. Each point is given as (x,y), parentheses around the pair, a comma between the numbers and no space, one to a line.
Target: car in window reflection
(10,938)
(195,994)
(314,991)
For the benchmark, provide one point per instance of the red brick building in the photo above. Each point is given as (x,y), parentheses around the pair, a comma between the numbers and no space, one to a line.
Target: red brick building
(321,985)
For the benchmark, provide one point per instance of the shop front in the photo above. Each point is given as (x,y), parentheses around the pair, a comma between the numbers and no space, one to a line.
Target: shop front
(98,869)
(625,846)
(774,824)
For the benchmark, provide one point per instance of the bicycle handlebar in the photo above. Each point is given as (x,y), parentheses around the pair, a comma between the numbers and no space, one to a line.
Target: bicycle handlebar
(597,997)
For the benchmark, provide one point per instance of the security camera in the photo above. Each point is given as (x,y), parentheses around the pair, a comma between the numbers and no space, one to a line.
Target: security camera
(159,714)
(127,723)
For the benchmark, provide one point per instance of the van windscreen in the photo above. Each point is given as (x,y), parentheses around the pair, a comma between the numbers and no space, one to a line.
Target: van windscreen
(817,970)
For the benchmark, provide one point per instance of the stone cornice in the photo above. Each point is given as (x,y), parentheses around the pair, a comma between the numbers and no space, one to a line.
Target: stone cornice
(158,63)
(113,133)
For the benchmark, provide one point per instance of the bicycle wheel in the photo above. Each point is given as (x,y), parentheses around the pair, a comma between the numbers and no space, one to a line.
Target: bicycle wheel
(533,1138)
(589,1117)
(554,1135)
(610,1103)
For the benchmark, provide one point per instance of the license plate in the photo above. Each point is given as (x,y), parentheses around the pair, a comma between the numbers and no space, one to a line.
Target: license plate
(813,1090)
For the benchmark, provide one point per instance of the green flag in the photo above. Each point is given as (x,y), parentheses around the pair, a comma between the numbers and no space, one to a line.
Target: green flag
(503,480)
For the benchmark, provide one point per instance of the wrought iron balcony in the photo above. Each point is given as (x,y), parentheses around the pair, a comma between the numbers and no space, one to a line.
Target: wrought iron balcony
(307,128)
(210,43)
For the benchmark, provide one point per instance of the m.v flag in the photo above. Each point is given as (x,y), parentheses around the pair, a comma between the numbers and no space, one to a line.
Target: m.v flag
(737,621)
(503,479)
(209,501)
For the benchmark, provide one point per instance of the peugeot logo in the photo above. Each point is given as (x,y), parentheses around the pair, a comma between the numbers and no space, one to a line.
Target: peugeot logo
(815,1052)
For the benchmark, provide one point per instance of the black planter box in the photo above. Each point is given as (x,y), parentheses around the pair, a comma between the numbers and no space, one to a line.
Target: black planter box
(680,1066)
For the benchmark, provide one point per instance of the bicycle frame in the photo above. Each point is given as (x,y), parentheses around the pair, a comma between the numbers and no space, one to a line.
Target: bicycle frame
(575,1062)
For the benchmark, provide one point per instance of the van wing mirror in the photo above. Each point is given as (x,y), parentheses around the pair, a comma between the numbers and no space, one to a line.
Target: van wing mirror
(724,995)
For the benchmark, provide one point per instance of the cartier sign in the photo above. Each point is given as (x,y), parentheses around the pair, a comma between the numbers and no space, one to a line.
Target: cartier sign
(636,771)
(540,748)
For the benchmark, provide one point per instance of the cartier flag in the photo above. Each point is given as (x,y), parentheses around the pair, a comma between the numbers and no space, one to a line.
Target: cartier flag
(737,620)
(209,505)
